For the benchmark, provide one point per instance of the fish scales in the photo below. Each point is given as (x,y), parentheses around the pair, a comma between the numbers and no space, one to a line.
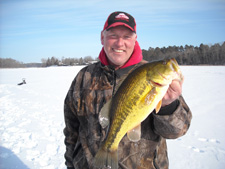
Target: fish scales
(138,95)
(135,86)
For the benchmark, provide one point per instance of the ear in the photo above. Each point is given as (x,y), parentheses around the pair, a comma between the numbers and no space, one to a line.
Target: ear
(102,37)
(135,37)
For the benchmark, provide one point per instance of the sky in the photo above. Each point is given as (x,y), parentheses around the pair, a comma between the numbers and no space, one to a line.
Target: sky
(39,29)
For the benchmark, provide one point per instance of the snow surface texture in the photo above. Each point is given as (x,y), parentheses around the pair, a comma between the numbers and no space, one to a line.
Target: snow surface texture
(32,122)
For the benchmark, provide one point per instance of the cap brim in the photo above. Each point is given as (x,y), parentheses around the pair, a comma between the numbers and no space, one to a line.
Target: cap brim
(120,24)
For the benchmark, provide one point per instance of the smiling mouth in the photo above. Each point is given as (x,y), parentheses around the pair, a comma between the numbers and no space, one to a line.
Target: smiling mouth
(118,50)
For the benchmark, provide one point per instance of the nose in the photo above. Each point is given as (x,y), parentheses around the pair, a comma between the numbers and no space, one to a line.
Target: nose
(120,41)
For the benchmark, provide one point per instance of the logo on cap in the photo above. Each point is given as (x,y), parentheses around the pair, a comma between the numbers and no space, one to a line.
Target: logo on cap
(122,16)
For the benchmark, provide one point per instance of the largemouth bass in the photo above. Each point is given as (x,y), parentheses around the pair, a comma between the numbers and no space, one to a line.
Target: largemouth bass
(137,96)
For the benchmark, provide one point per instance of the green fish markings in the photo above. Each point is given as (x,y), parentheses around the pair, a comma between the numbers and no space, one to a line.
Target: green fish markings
(136,97)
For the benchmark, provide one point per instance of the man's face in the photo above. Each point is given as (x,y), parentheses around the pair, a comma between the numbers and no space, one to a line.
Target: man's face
(118,44)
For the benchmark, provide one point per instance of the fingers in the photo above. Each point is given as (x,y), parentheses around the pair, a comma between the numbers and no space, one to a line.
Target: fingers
(173,92)
(176,88)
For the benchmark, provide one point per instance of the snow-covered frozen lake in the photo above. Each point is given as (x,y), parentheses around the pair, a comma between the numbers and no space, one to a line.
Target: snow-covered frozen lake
(32,122)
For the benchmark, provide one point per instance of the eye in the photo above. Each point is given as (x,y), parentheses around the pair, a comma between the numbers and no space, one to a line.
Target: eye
(112,36)
(126,37)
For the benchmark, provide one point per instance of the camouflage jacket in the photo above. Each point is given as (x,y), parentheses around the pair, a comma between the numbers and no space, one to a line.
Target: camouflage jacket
(90,90)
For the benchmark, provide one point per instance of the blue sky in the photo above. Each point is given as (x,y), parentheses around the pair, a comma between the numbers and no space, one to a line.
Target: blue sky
(32,30)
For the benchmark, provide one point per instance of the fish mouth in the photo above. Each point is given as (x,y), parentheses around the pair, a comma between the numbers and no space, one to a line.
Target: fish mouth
(167,79)
(156,84)
(176,69)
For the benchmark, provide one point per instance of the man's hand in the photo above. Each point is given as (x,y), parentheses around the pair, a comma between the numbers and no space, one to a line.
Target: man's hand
(173,92)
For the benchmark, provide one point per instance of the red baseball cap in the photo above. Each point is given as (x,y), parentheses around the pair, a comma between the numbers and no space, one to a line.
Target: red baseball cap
(120,19)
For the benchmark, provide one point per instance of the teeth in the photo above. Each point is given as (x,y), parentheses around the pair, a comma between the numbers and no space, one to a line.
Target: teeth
(118,50)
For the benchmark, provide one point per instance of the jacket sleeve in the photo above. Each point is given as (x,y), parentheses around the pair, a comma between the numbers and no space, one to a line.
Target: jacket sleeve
(171,125)
(71,130)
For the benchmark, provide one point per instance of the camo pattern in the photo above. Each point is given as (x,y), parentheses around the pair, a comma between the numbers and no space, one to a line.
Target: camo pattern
(93,86)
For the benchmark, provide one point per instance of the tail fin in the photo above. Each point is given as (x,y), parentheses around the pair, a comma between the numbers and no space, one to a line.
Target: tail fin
(105,158)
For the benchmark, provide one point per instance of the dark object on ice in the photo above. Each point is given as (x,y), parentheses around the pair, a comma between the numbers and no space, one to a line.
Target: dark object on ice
(24,82)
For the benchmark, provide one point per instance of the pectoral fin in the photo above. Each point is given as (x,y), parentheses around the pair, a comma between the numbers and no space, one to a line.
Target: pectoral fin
(149,98)
(135,133)
(158,107)
(104,117)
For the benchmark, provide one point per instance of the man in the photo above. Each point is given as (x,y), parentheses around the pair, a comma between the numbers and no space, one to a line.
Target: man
(95,84)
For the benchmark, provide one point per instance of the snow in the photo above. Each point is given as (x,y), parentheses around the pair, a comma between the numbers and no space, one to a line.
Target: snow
(32,122)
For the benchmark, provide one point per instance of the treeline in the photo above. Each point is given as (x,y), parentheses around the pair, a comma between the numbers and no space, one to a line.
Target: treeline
(185,55)
(189,55)
(53,61)
(10,63)
(67,61)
